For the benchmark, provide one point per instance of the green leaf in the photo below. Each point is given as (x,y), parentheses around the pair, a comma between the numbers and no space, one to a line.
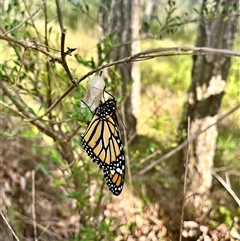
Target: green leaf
(58,182)
(235,7)
(31,111)
(156,19)
(43,166)
(40,108)
(55,156)
(6,133)
(86,63)
(49,31)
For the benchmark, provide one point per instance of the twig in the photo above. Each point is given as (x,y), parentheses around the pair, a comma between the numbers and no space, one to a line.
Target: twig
(44,228)
(152,155)
(33,24)
(5,220)
(228,188)
(69,138)
(15,111)
(30,17)
(31,45)
(98,205)
(185,181)
(38,124)
(59,14)
(145,54)
(54,104)
(33,206)
(63,56)
(21,65)
(23,112)
(134,58)
(126,149)
(181,146)
(148,54)
(64,31)
(127,160)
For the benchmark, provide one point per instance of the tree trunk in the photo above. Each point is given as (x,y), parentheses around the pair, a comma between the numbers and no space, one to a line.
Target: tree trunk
(122,18)
(209,75)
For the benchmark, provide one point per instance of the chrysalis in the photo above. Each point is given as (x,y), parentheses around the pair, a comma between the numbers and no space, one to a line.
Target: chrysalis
(94,92)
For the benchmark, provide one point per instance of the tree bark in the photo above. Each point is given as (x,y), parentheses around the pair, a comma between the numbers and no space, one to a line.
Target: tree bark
(209,76)
(123,20)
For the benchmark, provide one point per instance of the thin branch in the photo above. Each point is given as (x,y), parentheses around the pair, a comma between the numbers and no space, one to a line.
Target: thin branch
(149,157)
(38,124)
(98,205)
(23,112)
(31,45)
(30,17)
(63,56)
(127,151)
(132,58)
(44,228)
(68,155)
(17,101)
(58,122)
(33,24)
(54,104)
(136,57)
(33,206)
(15,111)
(181,146)
(19,71)
(5,220)
(47,66)
(69,138)
(64,31)
(148,54)
(59,14)
(185,180)
(228,188)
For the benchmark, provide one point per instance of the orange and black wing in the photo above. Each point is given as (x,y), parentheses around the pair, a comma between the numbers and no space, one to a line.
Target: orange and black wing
(115,178)
(102,142)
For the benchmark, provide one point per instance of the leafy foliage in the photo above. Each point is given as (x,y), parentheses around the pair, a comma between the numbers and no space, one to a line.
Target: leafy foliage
(69,187)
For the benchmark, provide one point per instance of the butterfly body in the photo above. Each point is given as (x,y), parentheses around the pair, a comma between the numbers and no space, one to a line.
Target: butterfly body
(102,142)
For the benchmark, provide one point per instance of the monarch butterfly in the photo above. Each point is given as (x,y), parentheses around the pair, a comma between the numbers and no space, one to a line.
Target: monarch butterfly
(102,142)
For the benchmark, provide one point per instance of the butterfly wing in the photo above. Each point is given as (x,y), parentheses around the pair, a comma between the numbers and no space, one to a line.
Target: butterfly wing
(115,177)
(102,142)
(92,144)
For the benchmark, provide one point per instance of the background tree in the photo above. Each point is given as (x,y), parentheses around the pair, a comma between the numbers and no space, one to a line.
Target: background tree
(49,188)
(218,27)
